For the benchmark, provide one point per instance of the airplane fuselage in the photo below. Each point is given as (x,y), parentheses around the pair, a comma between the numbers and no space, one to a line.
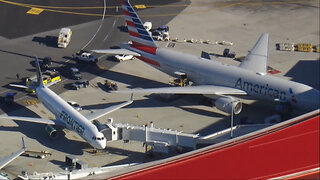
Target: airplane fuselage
(209,72)
(69,117)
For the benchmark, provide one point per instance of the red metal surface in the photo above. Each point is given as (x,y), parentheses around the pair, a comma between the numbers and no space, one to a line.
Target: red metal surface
(130,23)
(285,151)
(149,61)
(135,34)
(143,47)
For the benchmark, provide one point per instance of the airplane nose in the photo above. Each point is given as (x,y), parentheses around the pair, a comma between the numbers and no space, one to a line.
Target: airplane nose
(101,144)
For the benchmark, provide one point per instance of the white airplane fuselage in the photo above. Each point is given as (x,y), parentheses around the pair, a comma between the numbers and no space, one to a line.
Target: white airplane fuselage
(209,72)
(70,117)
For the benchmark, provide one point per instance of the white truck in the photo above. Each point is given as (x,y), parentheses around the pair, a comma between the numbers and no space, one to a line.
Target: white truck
(148,25)
(86,56)
(64,37)
(123,57)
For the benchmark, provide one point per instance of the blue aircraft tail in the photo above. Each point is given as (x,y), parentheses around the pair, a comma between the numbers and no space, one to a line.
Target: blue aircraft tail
(138,33)
(39,75)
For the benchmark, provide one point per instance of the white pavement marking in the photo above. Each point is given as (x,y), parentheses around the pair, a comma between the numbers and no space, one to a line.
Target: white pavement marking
(114,23)
(104,12)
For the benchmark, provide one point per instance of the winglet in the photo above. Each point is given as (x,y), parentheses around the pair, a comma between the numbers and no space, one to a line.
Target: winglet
(23,145)
(131,98)
(39,75)
(257,58)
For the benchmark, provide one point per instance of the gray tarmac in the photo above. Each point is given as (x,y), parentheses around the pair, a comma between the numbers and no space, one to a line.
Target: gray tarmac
(241,22)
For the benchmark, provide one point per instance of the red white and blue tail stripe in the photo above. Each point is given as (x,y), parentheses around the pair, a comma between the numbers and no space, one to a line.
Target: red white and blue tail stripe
(138,34)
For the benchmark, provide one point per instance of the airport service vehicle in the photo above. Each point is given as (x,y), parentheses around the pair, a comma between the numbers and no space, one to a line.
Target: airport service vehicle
(46,63)
(161,33)
(148,25)
(6,160)
(223,83)
(66,116)
(75,73)
(159,37)
(82,83)
(37,154)
(227,53)
(123,57)
(51,76)
(64,37)
(85,56)
(48,77)
(75,105)
(111,85)
(164,29)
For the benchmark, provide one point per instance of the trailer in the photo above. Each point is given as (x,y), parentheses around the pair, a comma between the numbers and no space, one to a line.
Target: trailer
(37,154)
(304,47)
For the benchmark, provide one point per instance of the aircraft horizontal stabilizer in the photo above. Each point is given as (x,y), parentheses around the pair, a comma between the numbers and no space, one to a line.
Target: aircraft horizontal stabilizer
(99,113)
(116,52)
(6,160)
(205,89)
(19,86)
(31,119)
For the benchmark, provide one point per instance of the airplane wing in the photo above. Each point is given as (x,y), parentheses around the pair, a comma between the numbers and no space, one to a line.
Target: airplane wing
(116,51)
(257,58)
(6,160)
(31,119)
(99,113)
(203,89)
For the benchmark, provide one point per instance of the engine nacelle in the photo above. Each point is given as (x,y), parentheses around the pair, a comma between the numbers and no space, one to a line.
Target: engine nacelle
(52,132)
(225,104)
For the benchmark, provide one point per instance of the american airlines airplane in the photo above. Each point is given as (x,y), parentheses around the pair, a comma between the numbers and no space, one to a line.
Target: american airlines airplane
(66,116)
(221,82)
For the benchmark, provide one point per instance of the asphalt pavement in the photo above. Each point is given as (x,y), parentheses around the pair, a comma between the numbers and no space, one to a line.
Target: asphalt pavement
(24,35)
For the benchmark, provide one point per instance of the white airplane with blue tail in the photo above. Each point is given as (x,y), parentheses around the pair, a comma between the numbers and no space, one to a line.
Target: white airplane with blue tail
(66,116)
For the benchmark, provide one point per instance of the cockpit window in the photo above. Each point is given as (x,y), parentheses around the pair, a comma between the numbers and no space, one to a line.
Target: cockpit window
(98,138)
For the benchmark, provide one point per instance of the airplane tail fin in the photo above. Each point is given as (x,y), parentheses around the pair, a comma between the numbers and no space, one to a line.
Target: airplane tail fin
(138,33)
(39,75)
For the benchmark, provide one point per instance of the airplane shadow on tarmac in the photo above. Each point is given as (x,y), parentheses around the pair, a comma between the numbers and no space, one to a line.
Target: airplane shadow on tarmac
(135,157)
(132,80)
(37,132)
(306,72)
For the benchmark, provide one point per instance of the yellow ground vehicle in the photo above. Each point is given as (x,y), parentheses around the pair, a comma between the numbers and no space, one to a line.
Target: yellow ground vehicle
(51,77)
(47,77)
(303,47)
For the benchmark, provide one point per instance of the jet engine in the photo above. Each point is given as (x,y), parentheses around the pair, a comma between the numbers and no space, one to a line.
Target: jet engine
(225,104)
(52,132)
